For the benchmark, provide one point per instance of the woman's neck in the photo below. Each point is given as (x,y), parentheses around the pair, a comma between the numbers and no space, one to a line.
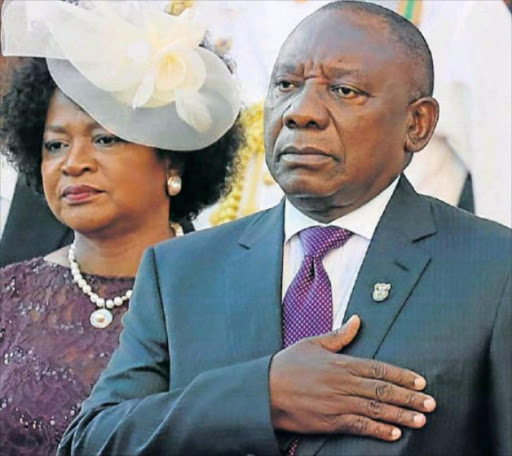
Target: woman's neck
(117,256)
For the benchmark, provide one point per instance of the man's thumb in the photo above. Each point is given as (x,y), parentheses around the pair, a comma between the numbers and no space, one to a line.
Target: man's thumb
(341,337)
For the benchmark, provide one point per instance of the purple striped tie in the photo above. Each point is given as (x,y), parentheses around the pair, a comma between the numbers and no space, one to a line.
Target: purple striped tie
(307,305)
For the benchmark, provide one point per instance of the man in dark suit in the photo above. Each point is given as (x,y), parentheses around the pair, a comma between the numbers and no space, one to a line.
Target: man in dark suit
(425,368)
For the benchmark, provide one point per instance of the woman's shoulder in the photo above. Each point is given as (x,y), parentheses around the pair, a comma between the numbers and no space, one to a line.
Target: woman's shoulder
(26,268)
(20,279)
(19,268)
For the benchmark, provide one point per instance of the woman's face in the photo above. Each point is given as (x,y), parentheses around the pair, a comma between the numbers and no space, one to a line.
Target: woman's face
(95,182)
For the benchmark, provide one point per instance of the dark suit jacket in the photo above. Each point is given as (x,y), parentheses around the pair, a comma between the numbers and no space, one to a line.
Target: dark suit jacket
(31,229)
(191,373)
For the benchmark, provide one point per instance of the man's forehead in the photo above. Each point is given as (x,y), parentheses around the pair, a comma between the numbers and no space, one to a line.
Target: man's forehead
(340,52)
(332,20)
(335,36)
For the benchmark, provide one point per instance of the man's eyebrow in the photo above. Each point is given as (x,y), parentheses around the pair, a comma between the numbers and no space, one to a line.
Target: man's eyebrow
(333,71)
(287,68)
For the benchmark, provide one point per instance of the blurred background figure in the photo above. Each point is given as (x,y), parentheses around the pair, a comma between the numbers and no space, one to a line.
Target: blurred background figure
(20,240)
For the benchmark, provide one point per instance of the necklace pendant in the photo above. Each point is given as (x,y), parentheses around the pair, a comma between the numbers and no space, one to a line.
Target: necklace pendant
(101,318)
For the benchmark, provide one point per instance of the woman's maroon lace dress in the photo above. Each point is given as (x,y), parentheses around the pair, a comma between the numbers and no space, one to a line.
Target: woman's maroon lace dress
(50,354)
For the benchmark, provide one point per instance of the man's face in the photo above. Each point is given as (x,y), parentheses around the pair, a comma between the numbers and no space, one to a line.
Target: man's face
(336,113)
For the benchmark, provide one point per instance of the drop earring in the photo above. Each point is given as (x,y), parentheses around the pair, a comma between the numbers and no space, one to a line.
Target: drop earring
(174,185)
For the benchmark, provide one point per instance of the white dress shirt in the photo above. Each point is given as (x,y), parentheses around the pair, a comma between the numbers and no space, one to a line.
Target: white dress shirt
(342,264)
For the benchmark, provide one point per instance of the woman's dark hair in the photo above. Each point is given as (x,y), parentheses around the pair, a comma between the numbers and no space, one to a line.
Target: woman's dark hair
(206,173)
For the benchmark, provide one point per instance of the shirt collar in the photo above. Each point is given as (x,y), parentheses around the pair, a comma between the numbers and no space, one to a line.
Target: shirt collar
(363,221)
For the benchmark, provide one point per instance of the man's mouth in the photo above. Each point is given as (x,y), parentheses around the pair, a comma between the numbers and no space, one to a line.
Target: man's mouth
(304,156)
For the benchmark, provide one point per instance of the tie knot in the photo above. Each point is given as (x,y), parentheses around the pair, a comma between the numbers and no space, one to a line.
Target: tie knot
(318,240)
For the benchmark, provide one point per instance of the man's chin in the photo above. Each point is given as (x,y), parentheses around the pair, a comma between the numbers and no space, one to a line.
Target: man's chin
(306,187)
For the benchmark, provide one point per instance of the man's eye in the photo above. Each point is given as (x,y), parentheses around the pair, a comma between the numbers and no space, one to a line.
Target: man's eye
(284,85)
(346,92)
(54,146)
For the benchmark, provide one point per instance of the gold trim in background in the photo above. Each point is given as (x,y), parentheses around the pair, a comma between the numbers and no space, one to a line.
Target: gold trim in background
(232,206)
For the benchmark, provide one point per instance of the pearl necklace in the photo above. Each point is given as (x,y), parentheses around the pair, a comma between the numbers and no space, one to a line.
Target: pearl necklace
(102,316)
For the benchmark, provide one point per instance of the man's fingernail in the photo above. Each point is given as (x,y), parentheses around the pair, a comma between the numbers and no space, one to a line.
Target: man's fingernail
(420,383)
(396,433)
(429,404)
(419,419)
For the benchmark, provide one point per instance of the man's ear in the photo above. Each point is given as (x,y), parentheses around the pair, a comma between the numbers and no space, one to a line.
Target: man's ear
(422,120)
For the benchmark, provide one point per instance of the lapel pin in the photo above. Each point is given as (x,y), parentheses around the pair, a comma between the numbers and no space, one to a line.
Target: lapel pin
(381,291)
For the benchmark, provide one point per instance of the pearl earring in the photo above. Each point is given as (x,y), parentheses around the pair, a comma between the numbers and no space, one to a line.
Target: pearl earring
(174,185)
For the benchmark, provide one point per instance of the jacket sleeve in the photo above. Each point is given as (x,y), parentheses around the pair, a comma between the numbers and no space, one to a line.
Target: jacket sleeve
(500,416)
(133,411)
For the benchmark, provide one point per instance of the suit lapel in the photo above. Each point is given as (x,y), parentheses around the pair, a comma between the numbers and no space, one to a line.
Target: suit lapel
(392,262)
(395,257)
(254,287)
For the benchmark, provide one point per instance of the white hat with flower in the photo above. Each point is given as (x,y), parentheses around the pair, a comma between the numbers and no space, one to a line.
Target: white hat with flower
(135,69)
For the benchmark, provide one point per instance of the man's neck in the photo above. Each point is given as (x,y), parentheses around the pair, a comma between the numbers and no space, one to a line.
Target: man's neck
(362,221)
(325,210)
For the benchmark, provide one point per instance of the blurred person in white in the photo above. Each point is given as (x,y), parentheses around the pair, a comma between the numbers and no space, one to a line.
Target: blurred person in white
(468,161)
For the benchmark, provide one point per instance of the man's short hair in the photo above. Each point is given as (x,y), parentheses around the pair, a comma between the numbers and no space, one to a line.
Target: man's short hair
(405,34)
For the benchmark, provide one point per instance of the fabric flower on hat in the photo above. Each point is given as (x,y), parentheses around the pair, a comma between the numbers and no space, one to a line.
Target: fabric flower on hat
(143,56)
(168,67)
(135,69)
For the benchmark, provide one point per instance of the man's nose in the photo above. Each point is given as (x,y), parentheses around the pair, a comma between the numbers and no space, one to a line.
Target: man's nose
(79,159)
(307,109)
